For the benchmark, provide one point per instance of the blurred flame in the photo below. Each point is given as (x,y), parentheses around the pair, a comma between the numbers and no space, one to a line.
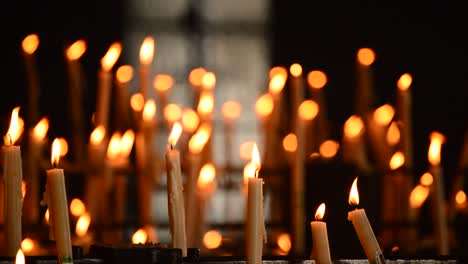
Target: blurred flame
(19,257)
(245,150)
(198,140)
(317,79)
(264,105)
(140,236)
(77,207)
(27,245)
(30,43)
(354,194)
(418,196)
(163,82)
(212,239)
(55,156)
(353,126)
(63,146)
(437,139)
(460,199)
(206,103)
(426,179)
(126,143)
(231,109)
(277,84)
(290,142)
(249,172)
(393,134)
(124,73)
(147,51)
(207,175)
(113,149)
(366,56)
(82,225)
(320,212)
(175,134)
(76,50)
(208,81)
(405,82)
(97,136)
(308,110)
(397,160)
(149,110)
(23,189)
(137,102)
(284,242)
(278,70)
(295,70)
(111,57)
(329,148)
(190,120)
(173,113)
(256,157)
(15,129)
(46,216)
(384,115)
(41,128)
(196,76)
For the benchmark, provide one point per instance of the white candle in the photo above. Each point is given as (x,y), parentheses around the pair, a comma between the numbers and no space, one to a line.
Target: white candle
(321,249)
(146,58)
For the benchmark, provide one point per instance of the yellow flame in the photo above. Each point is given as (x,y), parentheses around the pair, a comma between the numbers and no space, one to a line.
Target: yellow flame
(397,160)
(317,79)
(329,148)
(76,50)
(111,56)
(249,172)
(278,70)
(30,43)
(163,82)
(55,156)
(207,175)
(149,110)
(46,216)
(256,157)
(308,110)
(15,129)
(175,134)
(212,239)
(206,103)
(82,225)
(460,199)
(23,189)
(393,134)
(264,105)
(290,142)
(198,140)
(354,194)
(172,113)
(295,70)
(277,84)
(190,120)
(124,73)
(284,242)
(97,136)
(196,76)
(28,245)
(384,115)
(140,236)
(437,139)
(208,81)
(147,51)
(113,150)
(126,143)
(63,146)
(231,109)
(418,196)
(353,126)
(320,212)
(77,207)
(137,102)
(426,179)
(366,56)
(404,82)
(40,129)
(19,257)
(245,150)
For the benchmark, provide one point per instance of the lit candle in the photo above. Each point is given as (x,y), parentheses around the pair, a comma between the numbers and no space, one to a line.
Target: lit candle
(296,81)
(255,227)
(58,206)
(205,112)
(276,86)
(365,82)
(83,237)
(378,126)
(190,122)
(363,228)
(146,58)
(175,196)
(404,116)
(137,103)
(206,186)
(264,108)
(231,111)
(12,178)
(162,84)
(354,151)
(321,249)
(317,81)
(29,46)
(208,81)
(195,79)
(123,75)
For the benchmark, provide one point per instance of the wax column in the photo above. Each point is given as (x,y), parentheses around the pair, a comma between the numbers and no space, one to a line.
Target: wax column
(29,47)
(162,84)
(124,75)
(276,86)
(206,186)
(378,126)
(205,112)
(365,81)
(439,215)
(363,228)
(231,111)
(296,87)
(75,101)
(321,249)
(195,79)
(354,151)
(12,178)
(317,81)
(58,207)
(101,117)
(404,116)
(146,58)
(175,197)
(263,109)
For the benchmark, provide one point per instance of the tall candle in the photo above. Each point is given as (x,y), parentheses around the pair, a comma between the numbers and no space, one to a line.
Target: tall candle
(175,196)
(296,81)
(317,81)
(231,111)
(12,177)
(365,81)
(354,151)
(404,115)
(321,249)
(276,86)
(264,108)
(363,228)
(195,79)
(378,126)
(162,84)
(205,112)
(58,207)
(124,75)
(29,46)
(206,186)
(146,58)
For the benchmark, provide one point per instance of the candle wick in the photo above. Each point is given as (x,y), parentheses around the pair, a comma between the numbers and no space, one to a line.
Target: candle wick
(256,172)
(171,146)
(9,139)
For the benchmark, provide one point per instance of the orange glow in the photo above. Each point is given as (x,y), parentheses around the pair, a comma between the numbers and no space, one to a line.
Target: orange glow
(40,129)
(231,109)
(77,207)
(172,113)
(277,84)
(206,103)
(393,134)
(317,79)
(251,169)
(140,236)
(207,175)
(397,160)
(113,149)
(124,73)
(163,82)
(30,43)
(82,225)
(196,76)
(278,70)
(209,81)
(249,172)
(245,150)
(46,216)
(290,142)
(55,155)
(97,136)
(15,129)
(198,140)
(308,110)
(147,51)
(175,134)
(19,257)
(63,146)
(418,196)
(28,245)
(284,242)
(126,143)
(366,56)
(426,179)
(76,50)
(149,111)
(320,212)
(190,120)
(111,57)
(264,105)
(354,194)
(295,70)
(353,126)
(437,139)
(23,189)
(329,148)
(137,102)
(212,239)
(384,115)
(404,82)
(460,199)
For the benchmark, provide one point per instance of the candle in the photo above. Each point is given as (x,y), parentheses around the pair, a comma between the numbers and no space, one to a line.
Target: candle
(365,82)
(255,228)
(321,249)
(58,206)
(354,151)
(317,80)
(363,228)
(12,178)
(146,58)
(231,111)
(29,46)
(83,237)
(124,75)
(275,88)
(137,103)
(438,201)
(205,112)
(297,90)
(195,79)
(175,197)
(404,116)
(104,85)
(206,186)
(190,122)
(264,108)
(378,126)
(162,84)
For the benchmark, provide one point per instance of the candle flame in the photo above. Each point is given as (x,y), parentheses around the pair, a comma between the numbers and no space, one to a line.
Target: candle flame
(27,245)
(278,70)
(353,126)
(208,81)
(320,212)
(40,129)
(212,239)
(111,56)
(198,140)
(329,148)
(317,79)
(19,257)
(147,51)
(284,242)
(249,172)
(55,156)
(308,110)
(77,207)
(206,103)
(46,216)
(397,160)
(231,109)
(418,196)
(23,189)
(76,50)
(30,43)
(207,175)
(149,111)
(437,139)
(404,82)
(15,129)
(277,84)
(256,158)
(124,74)
(245,150)
(196,76)
(137,102)
(393,134)
(460,199)
(97,136)
(63,146)
(163,82)
(113,149)
(354,194)
(264,105)
(175,134)
(190,120)
(140,236)
(172,113)
(384,115)
(426,179)
(82,225)
(126,143)
(366,56)
(295,70)
(290,142)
